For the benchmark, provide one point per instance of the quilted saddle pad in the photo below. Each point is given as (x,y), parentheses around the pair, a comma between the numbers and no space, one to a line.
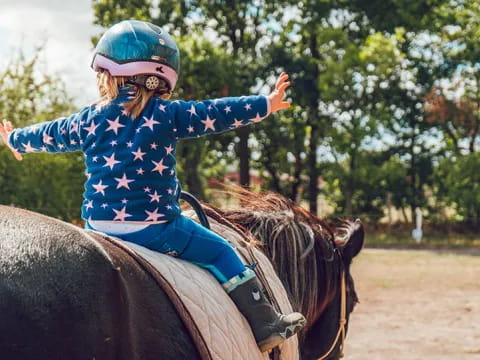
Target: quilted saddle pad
(224,330)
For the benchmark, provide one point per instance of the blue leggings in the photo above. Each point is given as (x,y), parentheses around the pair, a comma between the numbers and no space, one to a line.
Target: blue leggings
(186,239)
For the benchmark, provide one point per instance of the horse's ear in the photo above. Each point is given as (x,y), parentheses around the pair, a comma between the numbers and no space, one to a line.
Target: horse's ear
(355,243)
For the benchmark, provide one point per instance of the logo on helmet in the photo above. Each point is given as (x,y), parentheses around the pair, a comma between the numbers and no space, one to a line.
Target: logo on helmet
(160,69)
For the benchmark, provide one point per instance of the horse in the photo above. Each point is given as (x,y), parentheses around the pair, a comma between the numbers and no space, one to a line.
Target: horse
(65,295)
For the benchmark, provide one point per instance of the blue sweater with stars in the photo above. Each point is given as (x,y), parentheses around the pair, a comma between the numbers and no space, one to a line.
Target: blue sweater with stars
(130,163)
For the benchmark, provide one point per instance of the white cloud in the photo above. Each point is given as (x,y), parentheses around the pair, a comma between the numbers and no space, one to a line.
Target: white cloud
(64,27)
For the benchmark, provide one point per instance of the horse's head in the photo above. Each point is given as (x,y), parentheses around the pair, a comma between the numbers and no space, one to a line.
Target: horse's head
(312,259)
(324,338)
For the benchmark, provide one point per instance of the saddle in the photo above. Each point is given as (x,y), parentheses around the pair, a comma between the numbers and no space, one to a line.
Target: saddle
(219,330)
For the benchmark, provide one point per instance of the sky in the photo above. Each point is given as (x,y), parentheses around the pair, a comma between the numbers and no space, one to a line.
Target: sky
(65,28)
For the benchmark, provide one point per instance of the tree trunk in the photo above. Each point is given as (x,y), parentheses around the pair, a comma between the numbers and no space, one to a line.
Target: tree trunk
(244,156)
(351,182)
(297,181)
(313,170)
(271,169)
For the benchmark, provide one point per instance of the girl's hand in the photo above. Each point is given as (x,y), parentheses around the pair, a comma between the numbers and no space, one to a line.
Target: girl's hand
(5,130)
(276,97)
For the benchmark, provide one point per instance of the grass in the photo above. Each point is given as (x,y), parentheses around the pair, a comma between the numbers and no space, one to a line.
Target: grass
(403,239)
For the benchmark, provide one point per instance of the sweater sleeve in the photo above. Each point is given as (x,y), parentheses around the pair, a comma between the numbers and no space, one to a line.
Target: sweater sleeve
(194,119)
(60,135)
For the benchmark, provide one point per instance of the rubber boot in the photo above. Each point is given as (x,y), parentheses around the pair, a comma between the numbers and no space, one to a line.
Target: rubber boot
(269,327)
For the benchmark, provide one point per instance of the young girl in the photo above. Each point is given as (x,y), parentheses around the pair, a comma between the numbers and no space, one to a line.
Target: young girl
(129,138)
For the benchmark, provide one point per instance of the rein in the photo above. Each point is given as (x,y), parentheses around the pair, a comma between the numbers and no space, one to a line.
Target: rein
(342,321)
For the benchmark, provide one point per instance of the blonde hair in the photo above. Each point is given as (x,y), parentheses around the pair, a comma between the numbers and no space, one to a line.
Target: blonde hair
(108,88)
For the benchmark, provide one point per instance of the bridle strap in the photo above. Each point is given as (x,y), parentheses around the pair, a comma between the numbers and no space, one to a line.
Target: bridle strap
(342,322)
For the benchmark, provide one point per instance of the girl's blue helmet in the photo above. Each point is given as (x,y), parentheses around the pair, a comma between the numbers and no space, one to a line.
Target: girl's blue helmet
(140,50)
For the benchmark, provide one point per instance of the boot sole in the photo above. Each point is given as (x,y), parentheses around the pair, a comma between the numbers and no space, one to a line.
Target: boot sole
(276,339)
(270,343)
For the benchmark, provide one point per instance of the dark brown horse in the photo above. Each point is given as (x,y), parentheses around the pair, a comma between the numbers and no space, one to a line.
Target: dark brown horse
(64,295)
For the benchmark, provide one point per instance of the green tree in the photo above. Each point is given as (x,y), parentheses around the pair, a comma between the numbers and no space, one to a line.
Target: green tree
(41,182)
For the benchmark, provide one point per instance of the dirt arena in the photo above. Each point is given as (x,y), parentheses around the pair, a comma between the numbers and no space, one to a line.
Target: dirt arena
(415,305)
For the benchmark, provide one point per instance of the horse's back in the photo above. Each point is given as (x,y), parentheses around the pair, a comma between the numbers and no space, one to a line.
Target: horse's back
(65,295)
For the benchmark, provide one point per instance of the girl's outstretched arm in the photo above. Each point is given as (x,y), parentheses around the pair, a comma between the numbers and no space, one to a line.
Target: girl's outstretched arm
(193,119)
(61,135)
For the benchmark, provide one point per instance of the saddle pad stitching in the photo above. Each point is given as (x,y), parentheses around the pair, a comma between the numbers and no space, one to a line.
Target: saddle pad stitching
(195,332)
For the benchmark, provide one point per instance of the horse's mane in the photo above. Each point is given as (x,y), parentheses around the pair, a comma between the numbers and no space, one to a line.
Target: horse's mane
(300,245)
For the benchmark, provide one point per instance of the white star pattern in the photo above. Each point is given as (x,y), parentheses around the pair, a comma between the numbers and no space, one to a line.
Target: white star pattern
(28,147)
(74,127)
(121,214)
(228,109)
(44,148)
(155,197)
(153,146)
(124,201)
(248,107)
(104,205)
(159,166)
(209,123)
(153,215)
(140,171)
(149,122)
(113,142)
(100,188)
(138,154)
(146,189)
(190,129)
(110,161)
(91,129)
(47,139)
(114,125)
(237,123)
(89,205)
(162,107)
(123,182)
(192,111)
(169,149)
(257,118)
(129,144)
(95,158)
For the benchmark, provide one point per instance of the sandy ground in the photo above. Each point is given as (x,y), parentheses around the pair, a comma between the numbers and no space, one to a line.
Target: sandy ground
(415,305)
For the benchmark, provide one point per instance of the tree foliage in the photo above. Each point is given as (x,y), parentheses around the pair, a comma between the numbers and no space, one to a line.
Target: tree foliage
(41,182)
(386,99)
